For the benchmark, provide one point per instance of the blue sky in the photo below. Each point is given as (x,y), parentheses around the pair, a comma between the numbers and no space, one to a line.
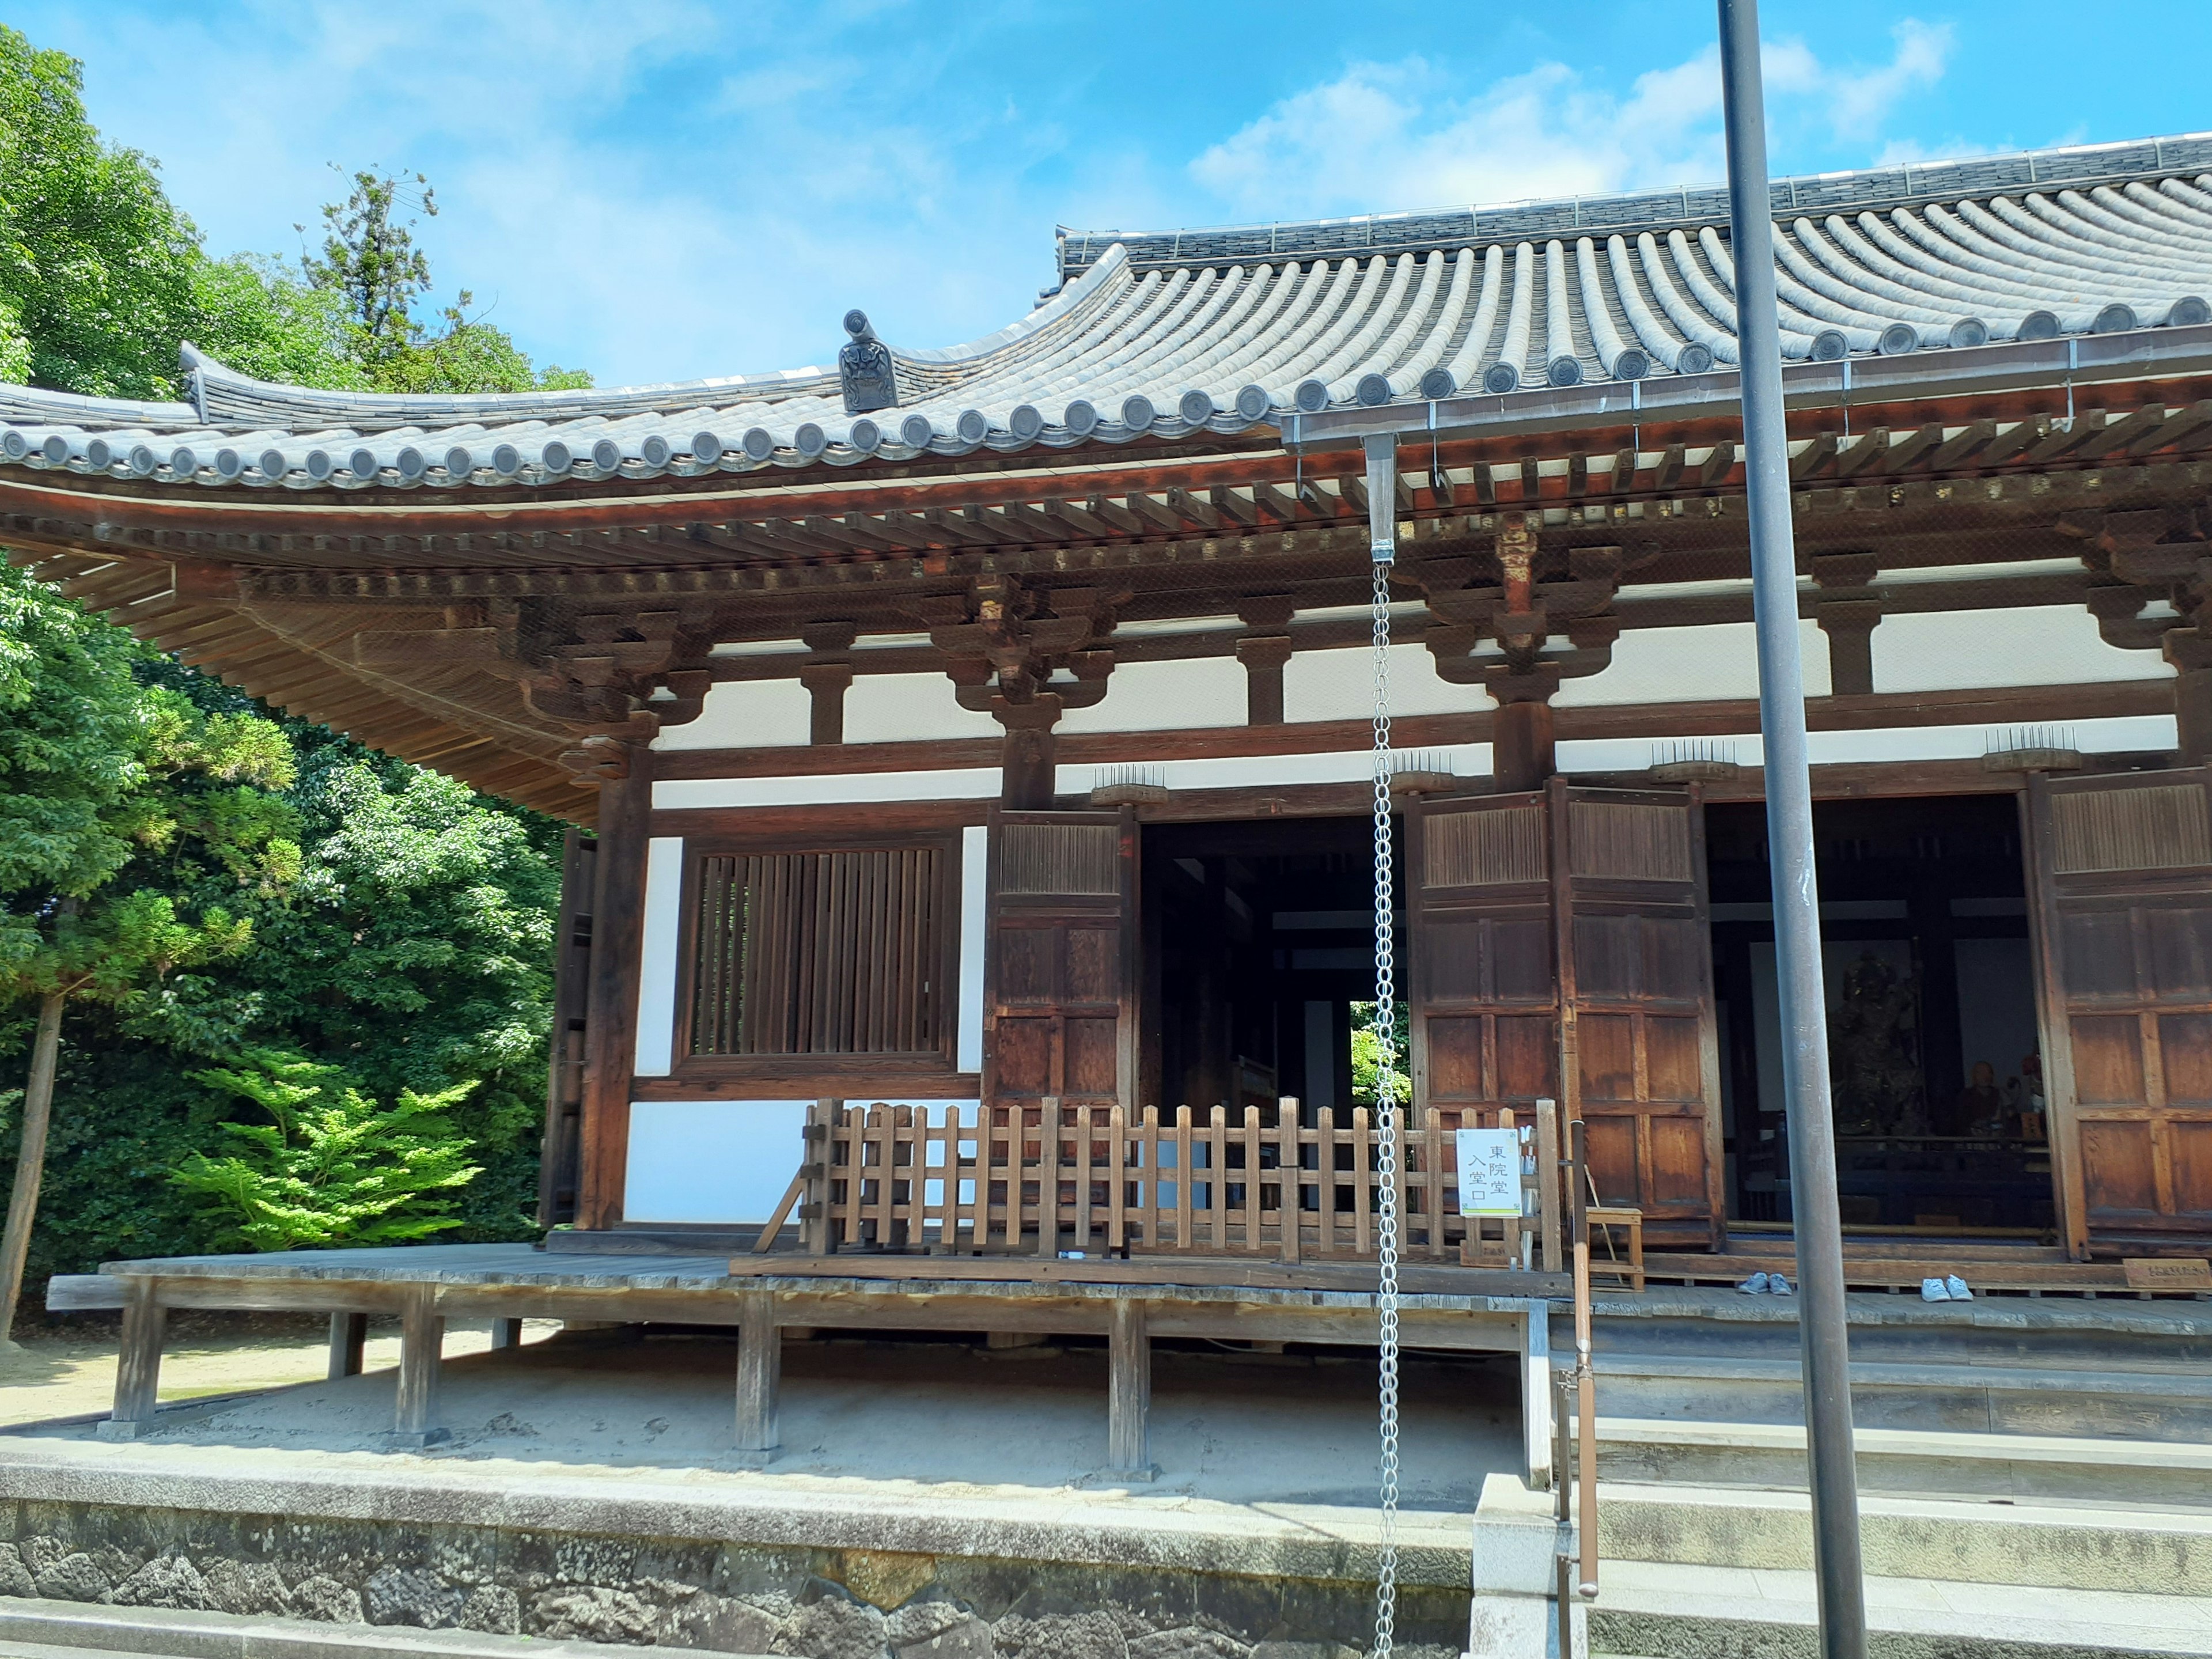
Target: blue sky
(662,190)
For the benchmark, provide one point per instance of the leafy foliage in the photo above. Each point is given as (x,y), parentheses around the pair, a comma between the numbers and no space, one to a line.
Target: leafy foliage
(245,882)
(332,1168)
(1367,1070)
(102,277)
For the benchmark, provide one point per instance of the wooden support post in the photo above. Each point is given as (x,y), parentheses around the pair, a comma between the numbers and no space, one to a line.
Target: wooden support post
(138,1367)
(1536,1391)
(760,1377)
(421,1340)
(507,1333)
(1522,754)
(1129,1392)
(617,946)
(348,1336)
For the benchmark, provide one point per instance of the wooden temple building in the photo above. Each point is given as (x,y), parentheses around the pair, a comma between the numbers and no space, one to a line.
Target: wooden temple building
(962,742)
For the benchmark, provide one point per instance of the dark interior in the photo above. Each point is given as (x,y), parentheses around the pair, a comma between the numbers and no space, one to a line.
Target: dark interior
(1923,919)
(1258,938)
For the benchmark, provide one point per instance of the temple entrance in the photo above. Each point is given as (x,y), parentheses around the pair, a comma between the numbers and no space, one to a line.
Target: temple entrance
(1258,938)
(1940,1119)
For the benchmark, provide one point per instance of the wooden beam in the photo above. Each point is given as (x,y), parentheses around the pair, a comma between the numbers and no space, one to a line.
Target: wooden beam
(1669,471)
(1719,462)
(1963,445)
(1815,456)
(1920,441)
(1863,454)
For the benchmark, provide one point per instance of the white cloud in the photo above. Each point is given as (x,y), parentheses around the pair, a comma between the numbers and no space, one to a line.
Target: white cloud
(1397,135)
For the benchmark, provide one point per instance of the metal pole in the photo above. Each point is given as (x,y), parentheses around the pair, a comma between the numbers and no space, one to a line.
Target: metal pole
(1823,1332)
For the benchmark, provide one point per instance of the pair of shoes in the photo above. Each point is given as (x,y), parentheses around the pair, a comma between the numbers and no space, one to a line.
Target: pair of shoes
(1765,1285)
(1949,1289)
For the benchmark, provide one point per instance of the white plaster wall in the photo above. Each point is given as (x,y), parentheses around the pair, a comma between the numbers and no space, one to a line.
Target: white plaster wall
(1339,686)
(2031,644)
(745,715)
(711,1160)
(1691,664)
(975,853)
(1166,696)
(2129,732)
(819,788)
(909,708)
(656,984)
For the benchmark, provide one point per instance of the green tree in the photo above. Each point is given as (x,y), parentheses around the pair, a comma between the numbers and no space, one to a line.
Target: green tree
(331,1167)
(108,786)
(373,269)
(1367,1067)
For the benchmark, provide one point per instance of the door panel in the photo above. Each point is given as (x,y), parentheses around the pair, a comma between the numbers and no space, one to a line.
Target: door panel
(1579,910)
(1629,875)
(1482,993)
(2122,908)
(1060,963)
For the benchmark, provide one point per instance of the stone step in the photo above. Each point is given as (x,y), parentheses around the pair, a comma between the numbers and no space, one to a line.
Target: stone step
(1671,1611)
(35,1629)
(2140,1552)
(2143,1404)
(1913,1462)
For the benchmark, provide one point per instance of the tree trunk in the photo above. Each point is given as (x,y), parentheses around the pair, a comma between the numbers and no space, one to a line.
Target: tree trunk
(30,1161)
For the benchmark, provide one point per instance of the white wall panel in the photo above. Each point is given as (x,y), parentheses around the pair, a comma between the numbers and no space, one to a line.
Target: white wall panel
(974,851)
(1691,664)
(909,708)
(821,788)
(1339,686)
(656,984)
(2031,644)
(1166,696)
(711,1160)
(745,715)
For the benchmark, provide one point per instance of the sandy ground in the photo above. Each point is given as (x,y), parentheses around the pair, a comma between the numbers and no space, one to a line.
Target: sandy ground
(68,1369)
(1233,1427)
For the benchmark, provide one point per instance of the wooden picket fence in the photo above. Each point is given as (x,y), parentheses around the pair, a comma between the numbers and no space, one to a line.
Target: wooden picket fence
(1060,1177)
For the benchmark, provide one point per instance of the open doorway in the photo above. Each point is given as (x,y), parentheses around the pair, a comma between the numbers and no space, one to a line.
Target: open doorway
(1258,939)
(1940,1126)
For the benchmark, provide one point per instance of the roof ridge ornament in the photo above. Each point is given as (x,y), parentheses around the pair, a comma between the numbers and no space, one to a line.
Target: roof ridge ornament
(863,368)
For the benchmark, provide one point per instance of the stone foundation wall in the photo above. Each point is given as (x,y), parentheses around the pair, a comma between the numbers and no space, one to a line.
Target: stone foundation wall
(691,1593)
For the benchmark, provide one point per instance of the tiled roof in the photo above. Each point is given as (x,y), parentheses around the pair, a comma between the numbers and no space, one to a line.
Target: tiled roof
(1167,335)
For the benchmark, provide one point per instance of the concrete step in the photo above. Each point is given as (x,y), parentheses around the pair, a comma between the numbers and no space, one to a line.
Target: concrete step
(35,1629)
(1913,1462)
(2138,1552)
(2145,1403)
(1672,1611)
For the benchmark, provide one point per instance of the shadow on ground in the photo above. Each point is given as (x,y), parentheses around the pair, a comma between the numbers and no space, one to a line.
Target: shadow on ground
(1229,1426)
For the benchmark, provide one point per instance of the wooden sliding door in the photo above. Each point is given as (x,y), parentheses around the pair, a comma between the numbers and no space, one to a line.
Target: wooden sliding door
(1059,970)
(1573,924)
(1635,953)
(2121,889)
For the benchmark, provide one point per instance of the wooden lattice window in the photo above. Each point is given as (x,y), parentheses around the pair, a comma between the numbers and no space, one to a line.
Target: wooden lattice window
(821,953)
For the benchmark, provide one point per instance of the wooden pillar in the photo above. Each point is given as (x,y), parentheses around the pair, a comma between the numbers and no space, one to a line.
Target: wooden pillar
(1031,772)
(827,677)
(1128,1392)
(421,1340)
(507,1333)
(1522,754)
(138,1366)
(348,1336)
(617,941)
(2190,650)
(759,1375)
(564,1083)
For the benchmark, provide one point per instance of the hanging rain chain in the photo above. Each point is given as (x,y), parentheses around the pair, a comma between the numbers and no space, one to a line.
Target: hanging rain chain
(1383,525)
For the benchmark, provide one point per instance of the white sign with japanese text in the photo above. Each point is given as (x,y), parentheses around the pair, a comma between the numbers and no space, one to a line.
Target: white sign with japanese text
(1489,1172)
